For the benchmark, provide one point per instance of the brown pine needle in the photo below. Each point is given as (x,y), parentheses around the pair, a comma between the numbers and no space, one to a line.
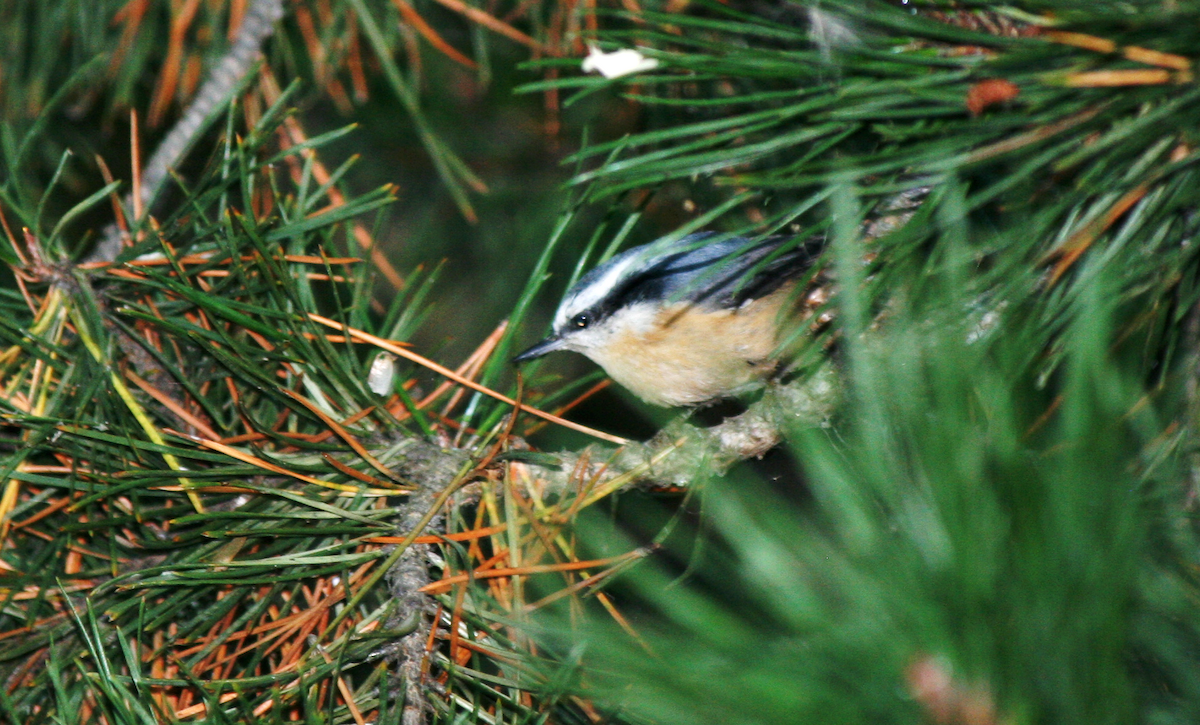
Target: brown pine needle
(168,77)
(623,623)
(118,210)
(495,25)
(344,689)
(468,369)
(1035,136)
(426,30)
(1079,242)
(354,473)
(575,588)
(131,15)
(8,233)
(35,627)
(344,434)
(268,466)
(579,400)
(446,372)
(135,153)
(237,13)
(354,64)
(172,405)
(292,134)
(473,365)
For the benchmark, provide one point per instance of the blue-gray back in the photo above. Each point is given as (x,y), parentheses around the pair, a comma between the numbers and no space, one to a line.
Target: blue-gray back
(712,274)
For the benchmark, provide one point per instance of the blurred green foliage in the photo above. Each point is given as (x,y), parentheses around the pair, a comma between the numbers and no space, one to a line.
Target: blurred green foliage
(200,488)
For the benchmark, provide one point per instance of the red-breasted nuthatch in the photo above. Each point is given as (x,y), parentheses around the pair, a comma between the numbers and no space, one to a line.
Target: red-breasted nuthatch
(686,322)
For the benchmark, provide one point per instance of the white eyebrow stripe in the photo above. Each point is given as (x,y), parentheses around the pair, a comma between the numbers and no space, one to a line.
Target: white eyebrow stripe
(584,298)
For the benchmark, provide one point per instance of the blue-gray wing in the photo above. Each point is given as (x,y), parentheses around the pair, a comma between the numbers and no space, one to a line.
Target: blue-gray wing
(721,274)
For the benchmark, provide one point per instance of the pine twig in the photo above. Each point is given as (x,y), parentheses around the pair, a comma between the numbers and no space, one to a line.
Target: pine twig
(258,24)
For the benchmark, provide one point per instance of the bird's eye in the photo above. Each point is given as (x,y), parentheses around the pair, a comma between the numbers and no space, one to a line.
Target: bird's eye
(581,321)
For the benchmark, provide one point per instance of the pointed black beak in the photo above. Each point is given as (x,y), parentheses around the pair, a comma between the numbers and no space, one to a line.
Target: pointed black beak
(550,344)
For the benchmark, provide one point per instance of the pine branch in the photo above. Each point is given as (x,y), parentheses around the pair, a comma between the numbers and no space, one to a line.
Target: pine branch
(683,453)
(432,468)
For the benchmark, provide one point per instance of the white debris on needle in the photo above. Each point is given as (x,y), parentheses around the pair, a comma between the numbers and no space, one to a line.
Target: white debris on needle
(623,62)
(383,371)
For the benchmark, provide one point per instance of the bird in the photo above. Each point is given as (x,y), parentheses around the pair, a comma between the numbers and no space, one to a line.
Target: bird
(686,322)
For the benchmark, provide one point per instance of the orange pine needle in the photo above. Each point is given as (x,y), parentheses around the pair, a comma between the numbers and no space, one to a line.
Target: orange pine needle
(237,11)
(118,210)
(1154,57)
(344,435)
(1116,78)
(131,15)
(455,622)
(312,41)
(168,77)
(472,535)
(469,368)
(519,11)
(623,623)
(202,709)
(191,75)
(442,586)
(446,372)
(1131,52)
(35,627)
